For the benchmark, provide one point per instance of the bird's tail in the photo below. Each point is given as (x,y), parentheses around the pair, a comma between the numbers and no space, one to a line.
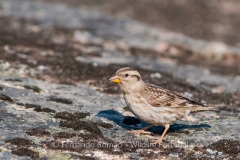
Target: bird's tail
(200,108)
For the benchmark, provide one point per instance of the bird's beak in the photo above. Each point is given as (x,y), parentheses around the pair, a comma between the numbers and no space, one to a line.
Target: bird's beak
(115,79)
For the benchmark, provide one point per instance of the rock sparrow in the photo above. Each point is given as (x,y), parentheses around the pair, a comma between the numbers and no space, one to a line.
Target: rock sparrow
(153,104)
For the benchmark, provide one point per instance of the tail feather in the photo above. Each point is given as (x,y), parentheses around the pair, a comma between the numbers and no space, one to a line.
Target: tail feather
(199,108)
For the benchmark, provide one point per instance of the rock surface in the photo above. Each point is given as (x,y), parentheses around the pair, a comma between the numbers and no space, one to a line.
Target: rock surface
(56,103)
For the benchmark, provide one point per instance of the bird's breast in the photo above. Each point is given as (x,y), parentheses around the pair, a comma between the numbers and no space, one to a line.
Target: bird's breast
(135,103)
(133,100)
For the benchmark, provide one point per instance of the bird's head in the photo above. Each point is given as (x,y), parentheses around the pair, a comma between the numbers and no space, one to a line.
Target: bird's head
(128,79)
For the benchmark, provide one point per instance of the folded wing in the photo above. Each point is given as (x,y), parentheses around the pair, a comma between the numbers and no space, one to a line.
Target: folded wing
(159,97)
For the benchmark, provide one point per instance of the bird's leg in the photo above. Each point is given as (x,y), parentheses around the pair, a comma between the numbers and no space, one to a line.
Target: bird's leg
(137,132)
(161,138)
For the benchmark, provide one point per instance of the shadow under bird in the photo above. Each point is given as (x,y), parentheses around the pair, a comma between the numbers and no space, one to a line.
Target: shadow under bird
(153,104)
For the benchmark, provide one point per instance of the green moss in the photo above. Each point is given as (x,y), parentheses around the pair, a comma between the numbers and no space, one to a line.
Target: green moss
(19,141)
(231,147)
(6,98)
(38,132)
(60,100)
(26,152)
(33,88)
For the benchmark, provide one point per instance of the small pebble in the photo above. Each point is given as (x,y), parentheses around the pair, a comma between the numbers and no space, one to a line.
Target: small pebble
(173,155)
(210,151)
(187,94)
(155,75)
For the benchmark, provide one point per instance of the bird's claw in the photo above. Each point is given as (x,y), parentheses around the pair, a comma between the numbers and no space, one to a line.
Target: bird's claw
(158,141)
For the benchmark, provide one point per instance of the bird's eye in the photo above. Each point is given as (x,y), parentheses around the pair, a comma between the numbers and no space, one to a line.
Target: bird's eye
(126,75)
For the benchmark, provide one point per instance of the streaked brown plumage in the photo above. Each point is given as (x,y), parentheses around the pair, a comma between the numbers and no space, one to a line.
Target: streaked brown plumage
(153,104)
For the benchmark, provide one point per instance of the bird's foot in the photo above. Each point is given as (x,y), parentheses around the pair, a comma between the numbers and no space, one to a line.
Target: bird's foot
(138,132)
(158,141)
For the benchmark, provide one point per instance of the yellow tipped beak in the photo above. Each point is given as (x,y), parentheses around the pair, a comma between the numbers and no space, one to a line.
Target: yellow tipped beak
(115,80)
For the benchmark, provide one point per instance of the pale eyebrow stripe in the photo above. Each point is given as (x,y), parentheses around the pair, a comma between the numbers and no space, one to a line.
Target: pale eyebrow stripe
(137,76)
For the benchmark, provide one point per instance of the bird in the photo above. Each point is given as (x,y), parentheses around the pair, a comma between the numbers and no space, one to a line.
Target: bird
(153,104)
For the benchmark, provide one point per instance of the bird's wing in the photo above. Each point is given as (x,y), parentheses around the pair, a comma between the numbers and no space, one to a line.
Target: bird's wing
(159,97)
